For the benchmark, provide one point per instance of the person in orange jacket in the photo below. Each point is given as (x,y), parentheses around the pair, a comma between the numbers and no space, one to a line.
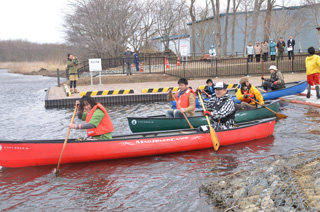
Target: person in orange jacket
(246,93)
(186,100)
(98,123)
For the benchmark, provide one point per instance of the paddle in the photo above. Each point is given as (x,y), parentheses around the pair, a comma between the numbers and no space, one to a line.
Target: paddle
(279,115)
(182,112)
(214,137)
(65,142)
(261,89)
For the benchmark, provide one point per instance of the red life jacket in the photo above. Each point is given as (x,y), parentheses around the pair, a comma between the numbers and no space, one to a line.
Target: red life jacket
(251,96)
(105,126)
(184,99)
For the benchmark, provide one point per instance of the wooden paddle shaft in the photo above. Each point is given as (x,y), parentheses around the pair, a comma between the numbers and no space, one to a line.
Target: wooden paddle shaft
(66,140)
(279,115)
(181,112)
(214,138)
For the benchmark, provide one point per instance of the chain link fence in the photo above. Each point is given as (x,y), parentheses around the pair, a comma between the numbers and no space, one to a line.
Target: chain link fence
(287,184)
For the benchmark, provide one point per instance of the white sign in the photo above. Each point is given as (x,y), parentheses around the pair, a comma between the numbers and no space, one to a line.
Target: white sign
(95,64)
(184,50)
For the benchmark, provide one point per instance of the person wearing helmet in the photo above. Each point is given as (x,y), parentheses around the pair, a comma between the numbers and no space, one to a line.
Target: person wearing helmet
(276,80)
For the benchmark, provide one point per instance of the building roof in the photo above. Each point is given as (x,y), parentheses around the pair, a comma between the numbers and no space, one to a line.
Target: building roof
(173,37)
(224,14)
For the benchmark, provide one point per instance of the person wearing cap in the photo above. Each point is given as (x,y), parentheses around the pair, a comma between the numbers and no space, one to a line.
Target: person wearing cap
(186,100)
(222,107)
(272,46)
(280,47)
(246,93)
(312,71)
(276,80)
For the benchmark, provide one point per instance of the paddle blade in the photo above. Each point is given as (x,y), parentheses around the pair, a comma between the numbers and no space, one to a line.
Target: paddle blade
(214,139)
(281,116)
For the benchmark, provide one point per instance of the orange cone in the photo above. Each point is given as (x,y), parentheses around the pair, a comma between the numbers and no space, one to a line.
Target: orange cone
(178,62)
(141,67)
(132,66)
(167,63)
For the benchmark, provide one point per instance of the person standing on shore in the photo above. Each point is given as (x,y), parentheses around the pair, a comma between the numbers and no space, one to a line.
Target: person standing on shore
(250,52)
(257,51)
(280,47)
(291,43)
(128,60)
(312,71)
(137,61)
(272,46)
(73,72)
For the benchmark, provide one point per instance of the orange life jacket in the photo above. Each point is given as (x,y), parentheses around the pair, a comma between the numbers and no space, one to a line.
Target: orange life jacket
(251,96)
(184,99)
(105,126)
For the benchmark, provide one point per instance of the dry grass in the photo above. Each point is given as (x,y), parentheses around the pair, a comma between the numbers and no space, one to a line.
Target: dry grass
(28,67)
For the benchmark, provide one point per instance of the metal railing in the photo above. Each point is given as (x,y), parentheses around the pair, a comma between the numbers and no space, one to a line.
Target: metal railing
(188,68)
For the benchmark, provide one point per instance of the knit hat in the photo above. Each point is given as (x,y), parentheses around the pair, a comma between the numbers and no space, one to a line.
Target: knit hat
(243,80)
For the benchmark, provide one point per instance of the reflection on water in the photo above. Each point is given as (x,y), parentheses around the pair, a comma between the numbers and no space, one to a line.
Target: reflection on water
(156,183)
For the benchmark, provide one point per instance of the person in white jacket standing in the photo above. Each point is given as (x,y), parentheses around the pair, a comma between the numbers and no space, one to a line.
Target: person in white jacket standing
(250,52)
(212,53)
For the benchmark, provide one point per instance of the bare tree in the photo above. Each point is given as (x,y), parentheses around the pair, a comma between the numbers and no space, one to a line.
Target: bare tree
(193,23)
(101,27)
(246,6)
(225,41)
(267,20)
(203,28)
(216,14)
(236,4)
(255,19)
(166,19)
(313,5)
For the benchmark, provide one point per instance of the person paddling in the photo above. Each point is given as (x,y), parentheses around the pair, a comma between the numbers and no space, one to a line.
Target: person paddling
(98,123)
(222,107)
(186,100)
(246,93)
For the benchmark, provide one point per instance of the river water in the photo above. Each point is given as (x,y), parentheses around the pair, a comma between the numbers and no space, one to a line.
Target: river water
(157,183)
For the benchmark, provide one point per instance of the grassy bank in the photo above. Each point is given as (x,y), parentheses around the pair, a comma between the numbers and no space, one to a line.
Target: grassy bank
(33,67)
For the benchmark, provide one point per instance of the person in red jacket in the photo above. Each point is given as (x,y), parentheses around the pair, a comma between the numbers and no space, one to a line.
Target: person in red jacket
(98,123)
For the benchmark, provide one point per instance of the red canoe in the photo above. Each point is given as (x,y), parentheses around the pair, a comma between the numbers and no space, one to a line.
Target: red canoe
(46,152)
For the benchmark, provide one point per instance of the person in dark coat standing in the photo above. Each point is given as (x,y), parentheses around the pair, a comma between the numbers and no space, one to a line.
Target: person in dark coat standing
(136,60)
(291,42)
(128,60)
(280,47)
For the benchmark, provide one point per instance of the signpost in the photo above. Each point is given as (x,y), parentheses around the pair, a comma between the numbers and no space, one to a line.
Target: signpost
(95,65)
(184,51)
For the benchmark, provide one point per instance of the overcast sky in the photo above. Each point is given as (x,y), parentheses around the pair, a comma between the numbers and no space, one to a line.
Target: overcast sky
(41,20)
(32,20)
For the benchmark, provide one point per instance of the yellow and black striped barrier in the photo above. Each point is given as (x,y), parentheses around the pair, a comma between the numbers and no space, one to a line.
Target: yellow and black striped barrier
(229,86)
(106,92)
(158,90)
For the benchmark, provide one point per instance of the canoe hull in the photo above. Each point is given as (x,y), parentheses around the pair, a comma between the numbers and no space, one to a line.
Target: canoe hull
(159,123)
(46,152)
(292,88)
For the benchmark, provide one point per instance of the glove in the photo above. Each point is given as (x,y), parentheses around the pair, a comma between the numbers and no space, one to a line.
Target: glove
(206,113)
(262,78)
(275,82)
(245,96)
